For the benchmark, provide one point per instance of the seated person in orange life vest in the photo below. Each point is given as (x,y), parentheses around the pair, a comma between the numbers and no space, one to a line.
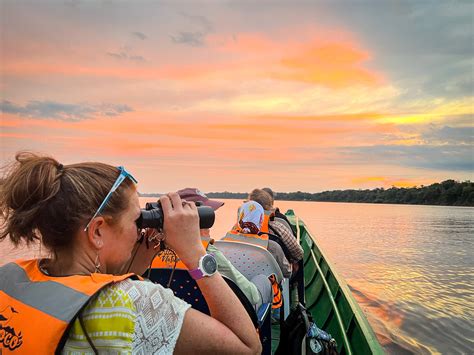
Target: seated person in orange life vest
(81,299)
(250,221)
(258,290)
(293,251)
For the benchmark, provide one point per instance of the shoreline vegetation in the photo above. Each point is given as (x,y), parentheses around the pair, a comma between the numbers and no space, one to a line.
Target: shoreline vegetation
(446,193)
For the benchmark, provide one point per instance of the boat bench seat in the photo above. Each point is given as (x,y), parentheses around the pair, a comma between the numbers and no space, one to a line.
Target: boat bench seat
(252,260)
(249,259)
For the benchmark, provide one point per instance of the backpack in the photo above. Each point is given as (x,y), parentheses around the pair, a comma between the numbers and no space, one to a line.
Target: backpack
(283,216)
(299,330)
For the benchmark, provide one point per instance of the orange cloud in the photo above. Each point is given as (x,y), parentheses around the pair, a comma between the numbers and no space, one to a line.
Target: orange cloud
(167,128)
(18,135)
(5,121)
(334,64)
(332,59)
(387,182)
(366,179)
(109,71)
(15,122)
(364,116)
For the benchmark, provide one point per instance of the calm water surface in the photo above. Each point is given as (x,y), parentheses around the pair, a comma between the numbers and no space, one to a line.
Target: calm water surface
(411,268)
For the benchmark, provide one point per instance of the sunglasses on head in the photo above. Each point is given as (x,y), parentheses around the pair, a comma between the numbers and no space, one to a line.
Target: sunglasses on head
(122,176)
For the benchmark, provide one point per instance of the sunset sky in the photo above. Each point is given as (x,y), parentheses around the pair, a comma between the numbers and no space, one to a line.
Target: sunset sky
(232,95)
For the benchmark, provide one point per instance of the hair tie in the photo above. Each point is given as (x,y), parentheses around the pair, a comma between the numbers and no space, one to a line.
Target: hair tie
(60,168)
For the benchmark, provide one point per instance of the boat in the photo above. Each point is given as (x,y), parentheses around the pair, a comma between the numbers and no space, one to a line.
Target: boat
(329,299)
(326,295)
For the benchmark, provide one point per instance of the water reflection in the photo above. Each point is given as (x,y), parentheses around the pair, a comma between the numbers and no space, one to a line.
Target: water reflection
(410,267)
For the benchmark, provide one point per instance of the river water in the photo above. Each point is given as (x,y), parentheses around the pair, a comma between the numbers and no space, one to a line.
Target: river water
(411,268)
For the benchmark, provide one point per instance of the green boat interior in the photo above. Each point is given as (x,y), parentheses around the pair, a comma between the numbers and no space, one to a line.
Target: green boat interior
(316,288)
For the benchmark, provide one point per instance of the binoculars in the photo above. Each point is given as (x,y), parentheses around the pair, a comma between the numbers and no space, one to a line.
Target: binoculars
(152,216)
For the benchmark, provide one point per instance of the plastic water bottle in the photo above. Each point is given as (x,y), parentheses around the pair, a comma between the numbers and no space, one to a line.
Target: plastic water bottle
(315,346)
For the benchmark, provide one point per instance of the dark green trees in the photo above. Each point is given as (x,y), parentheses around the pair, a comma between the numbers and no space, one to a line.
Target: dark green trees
(447,193)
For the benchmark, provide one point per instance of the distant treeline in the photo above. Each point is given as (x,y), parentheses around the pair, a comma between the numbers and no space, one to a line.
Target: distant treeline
(446,193)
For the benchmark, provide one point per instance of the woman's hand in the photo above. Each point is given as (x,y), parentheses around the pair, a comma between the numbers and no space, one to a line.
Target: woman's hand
(181,228)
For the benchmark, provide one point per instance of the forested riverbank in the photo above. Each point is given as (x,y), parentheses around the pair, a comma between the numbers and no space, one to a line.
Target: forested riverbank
(446,193)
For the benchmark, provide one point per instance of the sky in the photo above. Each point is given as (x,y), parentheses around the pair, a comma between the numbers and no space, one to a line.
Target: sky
(233,95)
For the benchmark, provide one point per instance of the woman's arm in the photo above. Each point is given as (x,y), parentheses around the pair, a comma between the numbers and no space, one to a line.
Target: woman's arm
(230,329)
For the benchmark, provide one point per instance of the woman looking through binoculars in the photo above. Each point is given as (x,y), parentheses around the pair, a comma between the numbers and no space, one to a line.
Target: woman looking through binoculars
(81,298)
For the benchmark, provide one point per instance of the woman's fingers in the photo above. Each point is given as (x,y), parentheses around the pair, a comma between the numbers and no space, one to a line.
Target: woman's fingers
(173,202)
(188,205)
(193,206)
(166,205)
(176,201)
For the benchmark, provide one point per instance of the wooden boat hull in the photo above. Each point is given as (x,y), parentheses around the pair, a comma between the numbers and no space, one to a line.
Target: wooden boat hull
(330,300)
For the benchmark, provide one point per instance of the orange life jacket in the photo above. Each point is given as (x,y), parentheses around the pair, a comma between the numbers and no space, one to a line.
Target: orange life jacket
(36,310)
(235,235)
(277,297)
(167,259)
(266,219)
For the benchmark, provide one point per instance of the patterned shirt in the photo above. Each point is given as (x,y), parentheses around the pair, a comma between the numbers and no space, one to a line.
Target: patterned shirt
(286,236)
(128,317)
